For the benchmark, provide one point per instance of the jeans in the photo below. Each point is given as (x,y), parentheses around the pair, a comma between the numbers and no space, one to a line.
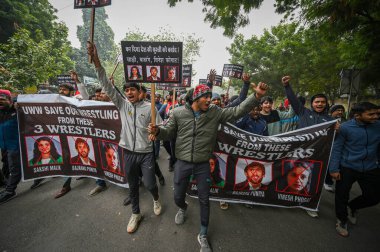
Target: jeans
(101,182)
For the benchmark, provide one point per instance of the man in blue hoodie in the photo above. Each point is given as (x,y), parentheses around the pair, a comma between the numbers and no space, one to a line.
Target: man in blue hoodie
(9,135)
(308,117)
(355,157)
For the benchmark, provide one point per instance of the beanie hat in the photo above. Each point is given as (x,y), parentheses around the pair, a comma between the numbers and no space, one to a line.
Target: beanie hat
(215,96)
(335,107)
(200,91)
(67,85)
(5,93)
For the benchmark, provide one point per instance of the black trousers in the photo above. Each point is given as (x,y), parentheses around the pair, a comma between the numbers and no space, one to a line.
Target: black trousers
(170,148)
(369,183)
(134,164)
(201,173)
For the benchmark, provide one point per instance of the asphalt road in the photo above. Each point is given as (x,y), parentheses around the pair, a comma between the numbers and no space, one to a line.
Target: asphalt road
(35,221)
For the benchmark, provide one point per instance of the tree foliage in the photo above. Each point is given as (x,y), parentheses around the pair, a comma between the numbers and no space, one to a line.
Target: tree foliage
(103,38)
(229,14)
(312,61)
(25,62)
(36,16)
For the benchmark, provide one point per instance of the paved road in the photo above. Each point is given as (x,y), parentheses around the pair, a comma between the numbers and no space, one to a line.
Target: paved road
(35,221)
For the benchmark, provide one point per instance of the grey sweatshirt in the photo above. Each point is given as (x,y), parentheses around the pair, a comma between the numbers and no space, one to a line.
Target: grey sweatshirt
(135,118)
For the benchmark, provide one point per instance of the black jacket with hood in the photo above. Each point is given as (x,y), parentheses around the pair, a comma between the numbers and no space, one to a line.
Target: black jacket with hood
(308,117)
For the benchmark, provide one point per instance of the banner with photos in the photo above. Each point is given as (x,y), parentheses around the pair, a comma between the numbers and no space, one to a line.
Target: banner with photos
(153,62)
(286,170)
(62,136)
(80,4)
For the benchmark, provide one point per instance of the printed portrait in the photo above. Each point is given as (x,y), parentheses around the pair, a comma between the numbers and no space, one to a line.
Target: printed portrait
(252,175)
(81,151)
(44,150)
(299,177)
(171,73)
(134,72)
(112,157)
(153,73)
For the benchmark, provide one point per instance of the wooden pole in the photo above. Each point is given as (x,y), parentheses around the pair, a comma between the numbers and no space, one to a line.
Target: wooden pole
(114,69)
(228,87)
(153,103)
(92,25)
(174,97)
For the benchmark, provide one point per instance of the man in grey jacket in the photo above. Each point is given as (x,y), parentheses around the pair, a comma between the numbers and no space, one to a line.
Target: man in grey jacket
(137,149)
(195,127)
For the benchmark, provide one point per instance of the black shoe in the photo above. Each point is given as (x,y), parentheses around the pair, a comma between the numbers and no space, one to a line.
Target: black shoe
(36,183)
(6,196)
(171,168)
(127,201)
(161,180)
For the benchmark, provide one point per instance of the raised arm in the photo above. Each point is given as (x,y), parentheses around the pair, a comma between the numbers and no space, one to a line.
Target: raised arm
(81,88)
(243,92)
(233,113)
(116,98)
(296,104)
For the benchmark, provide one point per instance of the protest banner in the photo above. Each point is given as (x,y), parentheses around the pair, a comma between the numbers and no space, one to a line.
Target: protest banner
(80,4)
(153,62)
(218,80)
(286,170)
(186,75)
(232,71)
(202,81)
(62,136)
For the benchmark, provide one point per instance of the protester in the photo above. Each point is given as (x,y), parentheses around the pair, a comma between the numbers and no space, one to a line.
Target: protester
(137,149)
(9,136)
(253,122)
(337,111)
(169,145)
(355,158)
(308,117)
(195,127)
(273,117)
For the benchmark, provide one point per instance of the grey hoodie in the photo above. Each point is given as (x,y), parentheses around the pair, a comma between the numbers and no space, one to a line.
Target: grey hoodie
(135,118)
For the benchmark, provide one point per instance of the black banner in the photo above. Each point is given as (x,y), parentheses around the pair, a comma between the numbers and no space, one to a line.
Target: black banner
(156,62)
(62,136)
(79,4)
(202,81)
(286,170)
(231,70)
(186,75)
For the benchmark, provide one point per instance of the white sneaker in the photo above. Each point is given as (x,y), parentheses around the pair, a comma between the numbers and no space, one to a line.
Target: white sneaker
(157,207)
(329,188)
(205,246)
(134,222)
(313,214)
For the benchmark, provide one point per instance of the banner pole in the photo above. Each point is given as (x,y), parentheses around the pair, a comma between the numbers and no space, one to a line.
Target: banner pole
(153,103)
(174,97)
(92,25)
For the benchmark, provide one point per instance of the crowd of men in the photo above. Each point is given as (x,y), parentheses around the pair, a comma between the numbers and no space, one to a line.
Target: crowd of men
(187,128)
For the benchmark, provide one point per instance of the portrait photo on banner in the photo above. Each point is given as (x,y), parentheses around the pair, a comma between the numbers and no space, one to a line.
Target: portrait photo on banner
(252,175)
(112,157)
(300,177)
(217,170)
(43,150)
(153,73)
(171,73)
(134,72)
(81,151)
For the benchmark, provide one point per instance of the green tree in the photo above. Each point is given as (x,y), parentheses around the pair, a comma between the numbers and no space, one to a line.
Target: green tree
(229,14)
(36,16)
(103,38)
(311,60)
(24,62)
